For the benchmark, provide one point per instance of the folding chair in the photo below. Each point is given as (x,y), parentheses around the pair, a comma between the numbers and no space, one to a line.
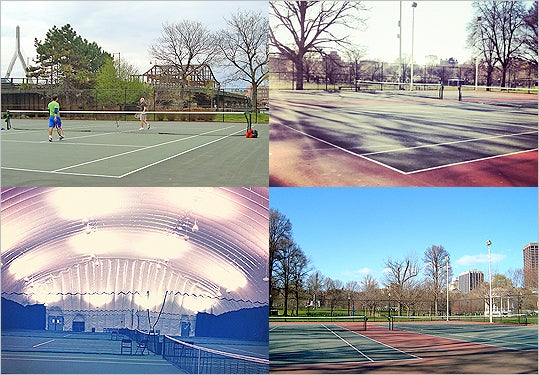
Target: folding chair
(126,344)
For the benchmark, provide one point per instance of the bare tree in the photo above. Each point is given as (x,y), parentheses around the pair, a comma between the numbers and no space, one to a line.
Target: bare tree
(354,56)
(314,287)
(436,271)
(400,278)
(244,44)
(284,269)
(500,28)
(371,292)
(299,267)
(530,52)
(334,292)
(300,27)
(183,47)
(280,235)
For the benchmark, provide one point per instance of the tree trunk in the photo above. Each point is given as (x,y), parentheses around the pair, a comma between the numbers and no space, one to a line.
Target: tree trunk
(299,73)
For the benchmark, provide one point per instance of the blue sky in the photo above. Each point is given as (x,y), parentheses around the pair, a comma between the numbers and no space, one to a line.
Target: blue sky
(349,232)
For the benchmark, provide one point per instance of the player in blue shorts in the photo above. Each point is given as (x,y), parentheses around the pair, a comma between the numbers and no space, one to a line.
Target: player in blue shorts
(55,122)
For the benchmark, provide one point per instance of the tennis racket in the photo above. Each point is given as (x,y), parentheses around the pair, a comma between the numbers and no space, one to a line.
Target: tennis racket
(137,115)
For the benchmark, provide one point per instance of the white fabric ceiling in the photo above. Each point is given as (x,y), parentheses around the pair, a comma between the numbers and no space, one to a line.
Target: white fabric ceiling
(197,249)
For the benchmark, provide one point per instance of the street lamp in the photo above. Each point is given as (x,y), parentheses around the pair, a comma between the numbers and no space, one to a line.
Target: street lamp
(477,57)
(414,5)
(489,283)
(401,68)
(447,285)
(389,305)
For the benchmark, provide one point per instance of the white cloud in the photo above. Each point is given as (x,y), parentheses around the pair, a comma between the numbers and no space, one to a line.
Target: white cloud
(358,273)
(479,259)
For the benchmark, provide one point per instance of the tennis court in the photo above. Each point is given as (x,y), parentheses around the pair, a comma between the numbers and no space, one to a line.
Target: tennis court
(103,151)
(393,139)
(454,347)
(122,351)
(40,352)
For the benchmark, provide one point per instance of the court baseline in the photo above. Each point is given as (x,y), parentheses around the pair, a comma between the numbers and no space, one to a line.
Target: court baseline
(63,170)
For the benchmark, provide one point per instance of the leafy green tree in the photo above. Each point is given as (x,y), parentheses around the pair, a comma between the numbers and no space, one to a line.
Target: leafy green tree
(65,58)
(117,83)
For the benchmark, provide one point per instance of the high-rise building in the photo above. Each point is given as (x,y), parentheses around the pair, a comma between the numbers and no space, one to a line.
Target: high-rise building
(530,268)
(470,280)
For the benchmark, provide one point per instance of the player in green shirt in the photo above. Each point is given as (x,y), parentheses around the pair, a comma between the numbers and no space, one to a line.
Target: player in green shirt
(55,122)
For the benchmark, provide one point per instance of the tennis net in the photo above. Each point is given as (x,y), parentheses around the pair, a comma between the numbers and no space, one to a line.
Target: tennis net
(195,359)
(427,90)
(170,122)
(437,322)
(525,97)
(356,322)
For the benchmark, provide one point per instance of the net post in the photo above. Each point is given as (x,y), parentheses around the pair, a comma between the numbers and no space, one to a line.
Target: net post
(390,323)
(248,119)
(8,121)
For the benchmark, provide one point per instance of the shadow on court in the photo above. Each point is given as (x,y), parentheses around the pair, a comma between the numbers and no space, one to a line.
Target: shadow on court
(433,354)
(358,139)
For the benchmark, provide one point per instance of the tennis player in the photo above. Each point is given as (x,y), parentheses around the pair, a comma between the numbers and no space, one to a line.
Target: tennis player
(55,122)
(143,109)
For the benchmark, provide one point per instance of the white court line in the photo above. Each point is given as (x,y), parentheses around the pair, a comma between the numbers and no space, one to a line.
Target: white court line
(447,143)
(53,172)
(61,170)
(468,161)
(366,156)
(389,346)
(179,154)
(11,356)
(352,346)
(140,149)
(344,149)
(74,143)
(43,343)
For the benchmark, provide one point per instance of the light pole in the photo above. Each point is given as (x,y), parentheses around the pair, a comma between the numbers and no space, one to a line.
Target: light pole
(489,283)
(414,5)
(401,69)
(447,286)
(477,59)
(389,306)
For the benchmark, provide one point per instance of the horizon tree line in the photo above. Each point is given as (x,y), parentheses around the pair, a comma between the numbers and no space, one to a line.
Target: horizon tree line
(70,62)
(409,286)
(503,33)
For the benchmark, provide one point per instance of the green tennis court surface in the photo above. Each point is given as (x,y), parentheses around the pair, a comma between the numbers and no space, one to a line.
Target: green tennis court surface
(326,343)
(169,154)
(411,347)
(75,353)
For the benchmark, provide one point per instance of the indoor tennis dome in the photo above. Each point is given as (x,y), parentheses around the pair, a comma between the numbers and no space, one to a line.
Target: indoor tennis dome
(139,258)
